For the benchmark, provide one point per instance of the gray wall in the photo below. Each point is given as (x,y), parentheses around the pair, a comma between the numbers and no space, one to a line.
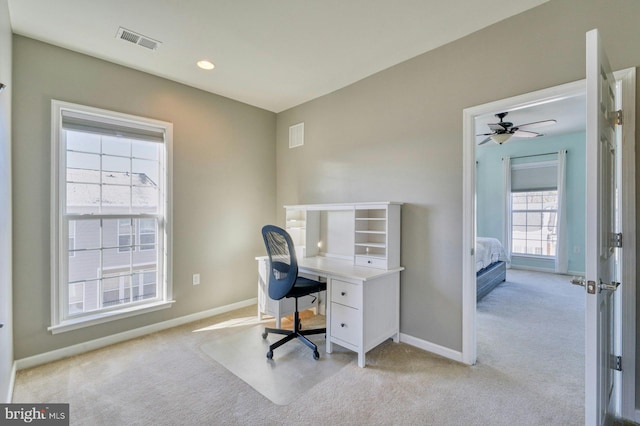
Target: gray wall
(223,185)
(6,338)
(397,135)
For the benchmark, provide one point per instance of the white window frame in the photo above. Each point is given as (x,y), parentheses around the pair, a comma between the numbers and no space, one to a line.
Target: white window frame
(541,211)
(60,319)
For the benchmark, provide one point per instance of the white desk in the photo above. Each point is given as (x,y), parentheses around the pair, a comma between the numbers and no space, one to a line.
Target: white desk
(363,303)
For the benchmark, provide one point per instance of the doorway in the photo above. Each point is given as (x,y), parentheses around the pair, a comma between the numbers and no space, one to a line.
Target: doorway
(627,197)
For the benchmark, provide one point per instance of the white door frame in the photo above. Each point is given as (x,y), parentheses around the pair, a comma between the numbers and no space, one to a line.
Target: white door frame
(469,343)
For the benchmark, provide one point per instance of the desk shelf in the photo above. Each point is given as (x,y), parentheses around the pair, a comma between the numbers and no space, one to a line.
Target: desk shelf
(374,230)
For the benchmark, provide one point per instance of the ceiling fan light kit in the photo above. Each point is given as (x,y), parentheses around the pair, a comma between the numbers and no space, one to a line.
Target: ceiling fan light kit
(500,138)
(504,130)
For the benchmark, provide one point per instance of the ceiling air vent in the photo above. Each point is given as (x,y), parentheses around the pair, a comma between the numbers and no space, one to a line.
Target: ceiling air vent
(137,38)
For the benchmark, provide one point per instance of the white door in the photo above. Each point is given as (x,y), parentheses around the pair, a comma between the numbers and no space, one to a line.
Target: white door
(600,209)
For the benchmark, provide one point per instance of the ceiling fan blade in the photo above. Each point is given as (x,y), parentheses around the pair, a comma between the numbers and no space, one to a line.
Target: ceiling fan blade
(498,126)
(537,124)
(486,134)
(526,134)
(484,141)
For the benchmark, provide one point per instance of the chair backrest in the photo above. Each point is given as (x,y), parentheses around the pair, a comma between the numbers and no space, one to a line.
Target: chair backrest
(282,258)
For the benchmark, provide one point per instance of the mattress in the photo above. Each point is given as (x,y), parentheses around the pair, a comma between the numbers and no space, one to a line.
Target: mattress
(488,251)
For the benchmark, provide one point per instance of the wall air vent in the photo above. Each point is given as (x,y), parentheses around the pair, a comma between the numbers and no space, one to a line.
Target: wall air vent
(137,38)
(296,135)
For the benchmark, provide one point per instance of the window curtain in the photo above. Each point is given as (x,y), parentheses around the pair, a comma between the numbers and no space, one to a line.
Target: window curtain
(506,181)
(562,255)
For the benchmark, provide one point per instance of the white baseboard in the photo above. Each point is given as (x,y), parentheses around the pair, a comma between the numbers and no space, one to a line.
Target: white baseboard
(12,380)
(431,347)
(57,354)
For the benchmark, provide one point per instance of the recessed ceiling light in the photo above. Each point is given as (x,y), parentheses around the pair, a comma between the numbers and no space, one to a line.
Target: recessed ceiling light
(206,65)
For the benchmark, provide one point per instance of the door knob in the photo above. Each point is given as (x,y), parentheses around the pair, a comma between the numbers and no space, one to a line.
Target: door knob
(578,281)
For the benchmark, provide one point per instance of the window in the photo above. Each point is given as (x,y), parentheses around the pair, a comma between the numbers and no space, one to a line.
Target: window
(125,235)
(147,233)
(534,223)
(110,203)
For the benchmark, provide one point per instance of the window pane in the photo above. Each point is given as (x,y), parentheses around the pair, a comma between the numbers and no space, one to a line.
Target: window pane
(519,201)
(83,198)
(87,233)
(519,219)
(147,230)
(116,290)
(76,298)
(145,286)
(534,220)
(145,199)
(84,266)
(534,201)
(83,167)
(116,170)
(519,231)
(145,258)
(125,234)
(534,247)
(84,142)
(145,172)
(116,198)
(116,261)
(116,146)
(148,150)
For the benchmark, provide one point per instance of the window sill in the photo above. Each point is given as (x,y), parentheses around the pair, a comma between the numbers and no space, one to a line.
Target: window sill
(533,256)
(87,321)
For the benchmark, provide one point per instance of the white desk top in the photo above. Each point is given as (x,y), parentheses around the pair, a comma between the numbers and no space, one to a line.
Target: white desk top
(339,268)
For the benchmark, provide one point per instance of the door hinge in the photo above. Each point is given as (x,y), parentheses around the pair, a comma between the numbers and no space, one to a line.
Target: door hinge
(619,119)
(615,240)
(615,362)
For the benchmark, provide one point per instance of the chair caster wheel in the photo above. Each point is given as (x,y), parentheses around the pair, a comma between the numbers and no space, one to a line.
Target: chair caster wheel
(270,355)
(264,335)
(316,355)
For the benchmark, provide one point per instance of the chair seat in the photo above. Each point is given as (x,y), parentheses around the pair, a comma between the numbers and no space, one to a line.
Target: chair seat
(305,286)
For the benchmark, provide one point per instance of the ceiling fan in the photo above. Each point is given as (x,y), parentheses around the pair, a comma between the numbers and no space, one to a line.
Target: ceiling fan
(504,130)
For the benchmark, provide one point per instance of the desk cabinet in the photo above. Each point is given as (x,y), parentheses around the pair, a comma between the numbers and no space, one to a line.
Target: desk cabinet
(363,314)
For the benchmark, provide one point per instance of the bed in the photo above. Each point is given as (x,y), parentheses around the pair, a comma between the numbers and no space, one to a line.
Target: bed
(491,265)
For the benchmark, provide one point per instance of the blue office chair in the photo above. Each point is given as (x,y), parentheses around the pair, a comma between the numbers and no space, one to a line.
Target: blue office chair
(285,282)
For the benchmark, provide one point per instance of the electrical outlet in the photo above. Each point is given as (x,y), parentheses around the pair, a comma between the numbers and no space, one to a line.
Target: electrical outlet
(196,279)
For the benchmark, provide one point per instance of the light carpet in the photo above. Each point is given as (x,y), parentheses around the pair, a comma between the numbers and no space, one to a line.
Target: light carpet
(530,372)
(287,376)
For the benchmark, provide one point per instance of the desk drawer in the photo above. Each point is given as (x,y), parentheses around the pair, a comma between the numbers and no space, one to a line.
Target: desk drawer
(372,262)
(345,293)
(345,323)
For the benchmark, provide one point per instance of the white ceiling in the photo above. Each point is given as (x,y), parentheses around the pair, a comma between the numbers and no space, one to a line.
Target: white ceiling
(274,54)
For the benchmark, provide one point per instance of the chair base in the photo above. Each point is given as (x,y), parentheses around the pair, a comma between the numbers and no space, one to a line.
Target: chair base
(293,334)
